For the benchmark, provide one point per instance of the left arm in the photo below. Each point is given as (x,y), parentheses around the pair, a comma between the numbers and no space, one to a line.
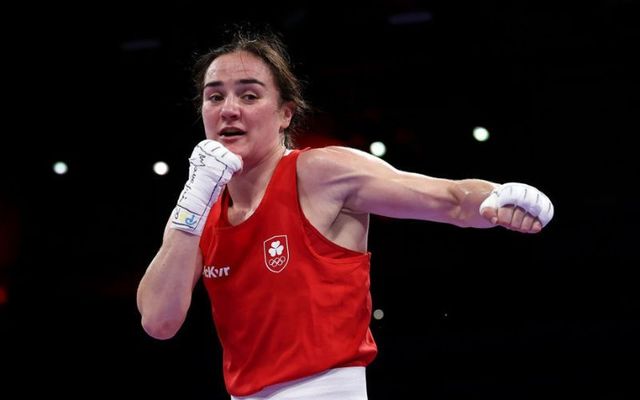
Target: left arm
(362,183)
(384,190)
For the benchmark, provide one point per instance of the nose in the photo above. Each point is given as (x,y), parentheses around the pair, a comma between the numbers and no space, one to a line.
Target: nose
(230,110)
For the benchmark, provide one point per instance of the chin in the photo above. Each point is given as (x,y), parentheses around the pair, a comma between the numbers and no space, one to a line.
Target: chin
(236,149)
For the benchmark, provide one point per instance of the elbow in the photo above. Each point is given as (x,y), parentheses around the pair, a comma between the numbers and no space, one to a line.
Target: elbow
(160,319)
(161,328)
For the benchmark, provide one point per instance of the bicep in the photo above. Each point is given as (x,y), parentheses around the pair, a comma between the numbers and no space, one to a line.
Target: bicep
(362,183)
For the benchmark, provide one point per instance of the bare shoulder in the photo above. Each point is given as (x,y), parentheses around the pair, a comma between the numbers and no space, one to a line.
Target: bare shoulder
(329,162)
(326,155)
(327,172)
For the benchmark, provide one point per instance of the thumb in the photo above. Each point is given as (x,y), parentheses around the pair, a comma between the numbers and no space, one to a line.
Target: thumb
(489,207)
(490,214)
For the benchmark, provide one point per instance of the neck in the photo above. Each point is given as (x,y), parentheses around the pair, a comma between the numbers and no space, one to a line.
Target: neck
(246,189)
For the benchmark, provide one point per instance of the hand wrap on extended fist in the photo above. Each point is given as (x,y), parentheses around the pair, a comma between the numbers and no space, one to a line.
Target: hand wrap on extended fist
(530,199)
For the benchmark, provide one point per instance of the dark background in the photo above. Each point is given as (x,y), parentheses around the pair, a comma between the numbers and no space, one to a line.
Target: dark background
(468,313)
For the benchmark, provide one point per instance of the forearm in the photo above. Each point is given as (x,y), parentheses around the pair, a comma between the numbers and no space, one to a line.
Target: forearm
(164,293)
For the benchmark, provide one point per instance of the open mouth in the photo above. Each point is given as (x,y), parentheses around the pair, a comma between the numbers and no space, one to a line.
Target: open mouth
(230,132)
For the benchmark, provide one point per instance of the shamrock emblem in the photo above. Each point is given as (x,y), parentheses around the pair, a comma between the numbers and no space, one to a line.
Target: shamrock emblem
(276,248)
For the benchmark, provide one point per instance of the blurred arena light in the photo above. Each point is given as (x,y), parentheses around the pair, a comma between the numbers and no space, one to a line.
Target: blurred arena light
(480,134)
(378,149)
(60,167)
(161,168)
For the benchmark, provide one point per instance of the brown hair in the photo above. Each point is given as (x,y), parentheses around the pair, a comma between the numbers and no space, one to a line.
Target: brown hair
(271,50)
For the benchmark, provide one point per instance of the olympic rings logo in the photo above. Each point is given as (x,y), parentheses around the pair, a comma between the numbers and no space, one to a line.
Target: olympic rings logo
(278,261)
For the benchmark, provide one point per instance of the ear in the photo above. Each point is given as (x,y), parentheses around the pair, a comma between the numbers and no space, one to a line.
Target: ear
(286,112)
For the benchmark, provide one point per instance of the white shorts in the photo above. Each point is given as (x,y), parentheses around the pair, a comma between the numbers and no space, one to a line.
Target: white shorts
(347,383)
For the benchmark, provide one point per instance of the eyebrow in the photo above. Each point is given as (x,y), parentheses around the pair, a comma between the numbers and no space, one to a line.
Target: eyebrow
(240,81)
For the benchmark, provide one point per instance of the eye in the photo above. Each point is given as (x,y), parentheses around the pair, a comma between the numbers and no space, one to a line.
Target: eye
(215,97)
(249,97)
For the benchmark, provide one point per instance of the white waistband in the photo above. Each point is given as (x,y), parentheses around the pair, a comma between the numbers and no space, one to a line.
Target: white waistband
(347,383)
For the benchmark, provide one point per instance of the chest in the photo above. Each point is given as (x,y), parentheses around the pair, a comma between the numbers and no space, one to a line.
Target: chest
(237,215)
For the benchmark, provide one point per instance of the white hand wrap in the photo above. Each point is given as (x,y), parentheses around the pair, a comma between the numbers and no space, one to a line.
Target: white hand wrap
(521,195)
(211,167)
